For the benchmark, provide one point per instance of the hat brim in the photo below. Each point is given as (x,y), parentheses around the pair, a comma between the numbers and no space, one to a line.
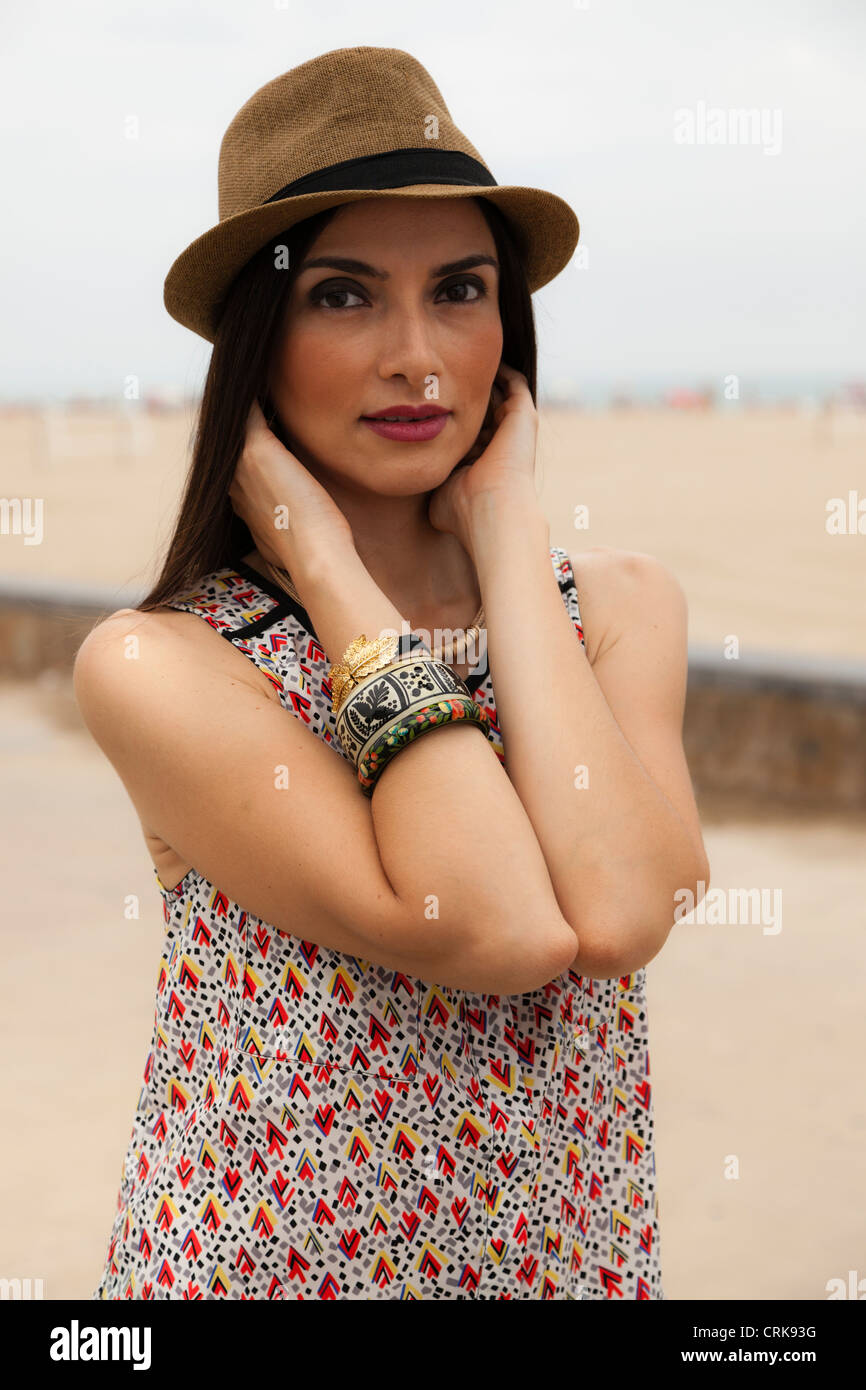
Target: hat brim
(201,275)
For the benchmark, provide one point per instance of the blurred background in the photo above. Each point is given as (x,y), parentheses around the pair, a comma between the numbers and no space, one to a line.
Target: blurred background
(702,390)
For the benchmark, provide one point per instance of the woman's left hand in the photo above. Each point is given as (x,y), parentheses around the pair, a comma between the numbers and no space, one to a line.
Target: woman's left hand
(505,466)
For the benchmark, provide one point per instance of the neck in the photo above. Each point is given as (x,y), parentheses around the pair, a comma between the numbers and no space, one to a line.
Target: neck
(417,566)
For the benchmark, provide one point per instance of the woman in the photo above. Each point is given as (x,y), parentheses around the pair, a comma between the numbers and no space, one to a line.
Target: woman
(400,1045)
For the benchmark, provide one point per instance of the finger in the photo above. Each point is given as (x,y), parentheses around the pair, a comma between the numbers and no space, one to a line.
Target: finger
(507,373)
(255,419)
(513,380)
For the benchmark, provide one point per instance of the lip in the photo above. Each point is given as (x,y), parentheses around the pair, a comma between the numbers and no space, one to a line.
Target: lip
(412,412)
(410,431)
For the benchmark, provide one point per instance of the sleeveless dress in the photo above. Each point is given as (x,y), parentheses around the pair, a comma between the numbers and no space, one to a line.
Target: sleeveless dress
(316,1126)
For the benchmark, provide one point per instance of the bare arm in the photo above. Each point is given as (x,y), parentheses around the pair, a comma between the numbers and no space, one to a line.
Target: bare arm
(621,842)
(438,875)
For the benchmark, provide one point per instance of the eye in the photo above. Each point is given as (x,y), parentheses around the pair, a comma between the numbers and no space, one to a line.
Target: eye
(323,292)
(328,291)
(473,282)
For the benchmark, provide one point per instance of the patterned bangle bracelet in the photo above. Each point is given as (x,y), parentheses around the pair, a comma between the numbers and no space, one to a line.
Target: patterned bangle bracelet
(403,729)
(379,714)
(363,658)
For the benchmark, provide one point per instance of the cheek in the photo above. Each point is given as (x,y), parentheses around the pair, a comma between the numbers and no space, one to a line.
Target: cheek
(313,375)
(475,371)
(481,357)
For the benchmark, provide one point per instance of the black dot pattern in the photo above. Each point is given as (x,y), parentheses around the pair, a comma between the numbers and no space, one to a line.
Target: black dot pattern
(315,1126)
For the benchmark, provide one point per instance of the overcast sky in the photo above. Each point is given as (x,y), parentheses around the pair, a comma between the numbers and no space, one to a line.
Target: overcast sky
(703,260)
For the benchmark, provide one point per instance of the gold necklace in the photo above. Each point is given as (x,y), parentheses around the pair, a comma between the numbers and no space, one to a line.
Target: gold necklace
(453,652)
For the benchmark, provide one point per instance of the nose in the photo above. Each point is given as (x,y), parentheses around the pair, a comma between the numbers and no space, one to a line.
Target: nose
(409,348)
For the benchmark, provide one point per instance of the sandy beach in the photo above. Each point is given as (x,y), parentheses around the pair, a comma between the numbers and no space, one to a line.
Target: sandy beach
(734,503)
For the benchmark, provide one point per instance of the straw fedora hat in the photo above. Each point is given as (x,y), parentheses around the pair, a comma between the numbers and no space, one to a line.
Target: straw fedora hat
(351,124)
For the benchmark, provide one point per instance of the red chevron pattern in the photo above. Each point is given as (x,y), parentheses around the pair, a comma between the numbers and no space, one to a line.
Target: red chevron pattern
(316,1126)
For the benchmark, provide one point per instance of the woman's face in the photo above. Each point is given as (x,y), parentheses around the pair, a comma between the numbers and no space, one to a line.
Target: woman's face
(360,339)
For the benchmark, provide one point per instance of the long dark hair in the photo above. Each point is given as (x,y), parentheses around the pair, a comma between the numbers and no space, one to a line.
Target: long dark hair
(208,534)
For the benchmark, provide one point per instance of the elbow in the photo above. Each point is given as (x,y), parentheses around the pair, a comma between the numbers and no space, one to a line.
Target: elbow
(623,944)
(509,958)
(606,960)
(620,951)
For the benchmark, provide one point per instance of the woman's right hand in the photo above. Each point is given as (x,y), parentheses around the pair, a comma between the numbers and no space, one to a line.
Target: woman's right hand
(281,502)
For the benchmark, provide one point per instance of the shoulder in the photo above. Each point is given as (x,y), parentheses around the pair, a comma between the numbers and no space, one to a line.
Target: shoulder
(624,572)
(164,628)
(618,590)
(154,648)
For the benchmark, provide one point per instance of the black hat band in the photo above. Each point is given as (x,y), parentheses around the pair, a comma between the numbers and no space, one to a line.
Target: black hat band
(393,169)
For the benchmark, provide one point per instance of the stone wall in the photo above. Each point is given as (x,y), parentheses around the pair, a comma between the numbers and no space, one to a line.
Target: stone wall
(769,729)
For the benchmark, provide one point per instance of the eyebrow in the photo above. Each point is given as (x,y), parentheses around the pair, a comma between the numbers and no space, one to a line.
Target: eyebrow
(353,267)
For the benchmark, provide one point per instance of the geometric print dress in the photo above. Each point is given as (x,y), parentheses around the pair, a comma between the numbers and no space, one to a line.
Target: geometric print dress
(316,1126)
